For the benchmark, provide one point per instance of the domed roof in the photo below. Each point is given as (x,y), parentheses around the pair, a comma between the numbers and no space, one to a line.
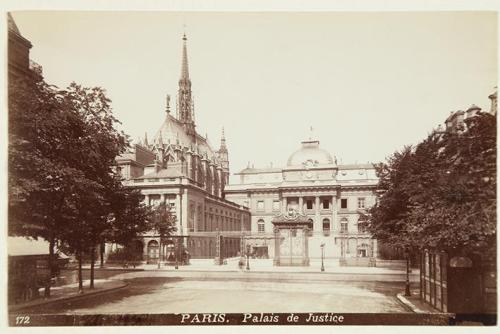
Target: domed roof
(310,154)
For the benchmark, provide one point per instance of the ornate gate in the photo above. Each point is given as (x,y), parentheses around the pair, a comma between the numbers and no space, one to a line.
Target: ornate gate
(291,233)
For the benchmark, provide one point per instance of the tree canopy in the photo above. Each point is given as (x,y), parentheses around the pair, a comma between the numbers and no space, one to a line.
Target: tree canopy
(63,185)
(441,193)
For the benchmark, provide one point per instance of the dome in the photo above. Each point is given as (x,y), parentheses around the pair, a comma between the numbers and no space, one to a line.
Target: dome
(310,154)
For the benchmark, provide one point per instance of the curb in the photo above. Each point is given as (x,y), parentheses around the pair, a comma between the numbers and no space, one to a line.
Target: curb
(409,304)
(17,308)
(275,272)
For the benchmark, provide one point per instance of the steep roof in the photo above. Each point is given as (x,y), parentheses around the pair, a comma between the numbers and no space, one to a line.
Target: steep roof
(172,131)
(12,24)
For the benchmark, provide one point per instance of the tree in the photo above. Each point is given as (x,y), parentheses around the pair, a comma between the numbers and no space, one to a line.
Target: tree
(441,194)
(62,181)
(388,217)
(457,210)
(163,222)
(42,134)
(99,145)
(130,216)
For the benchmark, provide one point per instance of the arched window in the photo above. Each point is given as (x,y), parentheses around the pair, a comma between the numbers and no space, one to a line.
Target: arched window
(261,226)
(326,226)
(343,225)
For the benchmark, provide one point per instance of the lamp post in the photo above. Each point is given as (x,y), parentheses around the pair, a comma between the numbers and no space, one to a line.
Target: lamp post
(407,285)
(176,253)
(322,256)
(248,257)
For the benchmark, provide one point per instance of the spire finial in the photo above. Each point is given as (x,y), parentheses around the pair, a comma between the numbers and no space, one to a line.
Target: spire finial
(160,140)
(146,139)
(223,147)
(168,104)
(184,69)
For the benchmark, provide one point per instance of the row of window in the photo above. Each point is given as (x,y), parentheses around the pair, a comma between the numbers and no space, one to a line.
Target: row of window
(309,204)
(362,226)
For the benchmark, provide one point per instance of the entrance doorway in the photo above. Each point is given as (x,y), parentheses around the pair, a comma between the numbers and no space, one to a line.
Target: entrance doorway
(153,251)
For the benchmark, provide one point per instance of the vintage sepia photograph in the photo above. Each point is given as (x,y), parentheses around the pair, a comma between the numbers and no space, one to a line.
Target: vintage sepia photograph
(251,168)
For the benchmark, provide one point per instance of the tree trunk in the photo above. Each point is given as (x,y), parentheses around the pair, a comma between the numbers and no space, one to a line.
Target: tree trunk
(102,249)
(51,265)
(92,261)
(80,278)
(159,255)
(407,283)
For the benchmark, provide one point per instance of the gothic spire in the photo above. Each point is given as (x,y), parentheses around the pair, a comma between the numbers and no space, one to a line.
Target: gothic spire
(146,139)
(185,102)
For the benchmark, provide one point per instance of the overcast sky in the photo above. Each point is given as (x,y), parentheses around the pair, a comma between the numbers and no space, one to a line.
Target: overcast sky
(368,83)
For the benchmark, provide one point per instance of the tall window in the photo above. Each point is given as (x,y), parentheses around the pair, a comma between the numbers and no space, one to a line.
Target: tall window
(326,226)
(361,203)
(309,204)
(276,205)
(343,225)
(261,226)
(362,227)
(260,205)
(326,204)
(343,203)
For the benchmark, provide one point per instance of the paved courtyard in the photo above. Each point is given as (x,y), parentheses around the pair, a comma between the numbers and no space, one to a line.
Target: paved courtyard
(238,292)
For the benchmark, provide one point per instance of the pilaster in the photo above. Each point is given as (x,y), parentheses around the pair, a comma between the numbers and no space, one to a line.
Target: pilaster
(317,223)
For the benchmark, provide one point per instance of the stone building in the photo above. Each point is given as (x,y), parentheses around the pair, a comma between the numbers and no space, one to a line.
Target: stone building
(455,122)
(322,201)
(179,166)
(20,65)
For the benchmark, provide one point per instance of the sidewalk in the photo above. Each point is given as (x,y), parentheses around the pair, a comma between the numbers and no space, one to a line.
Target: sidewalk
(266,265)
(70,292)
(414,303)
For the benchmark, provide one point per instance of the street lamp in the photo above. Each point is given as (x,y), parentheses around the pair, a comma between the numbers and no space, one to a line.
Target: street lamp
(322,256)
(407,286)
(248,257)
(176,253)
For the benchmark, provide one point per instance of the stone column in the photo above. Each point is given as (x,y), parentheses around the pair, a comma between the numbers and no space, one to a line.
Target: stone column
(317,223)
(146,199)
(164,198)
(283,205)
(220,176)
(301,204)
(334,226)
(183,211)
(178,209)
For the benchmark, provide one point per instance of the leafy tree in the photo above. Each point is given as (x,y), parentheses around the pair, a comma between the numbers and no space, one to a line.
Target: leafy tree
(457,210)
(163,222)
(62,182)
(42,135)
(441,194)
(389,215)
(99,145)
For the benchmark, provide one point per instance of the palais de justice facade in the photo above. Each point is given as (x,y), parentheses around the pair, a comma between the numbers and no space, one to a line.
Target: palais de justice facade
(281,213)
(310,202)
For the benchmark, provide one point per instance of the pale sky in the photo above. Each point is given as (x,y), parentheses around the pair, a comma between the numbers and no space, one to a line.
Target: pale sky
(368,83)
